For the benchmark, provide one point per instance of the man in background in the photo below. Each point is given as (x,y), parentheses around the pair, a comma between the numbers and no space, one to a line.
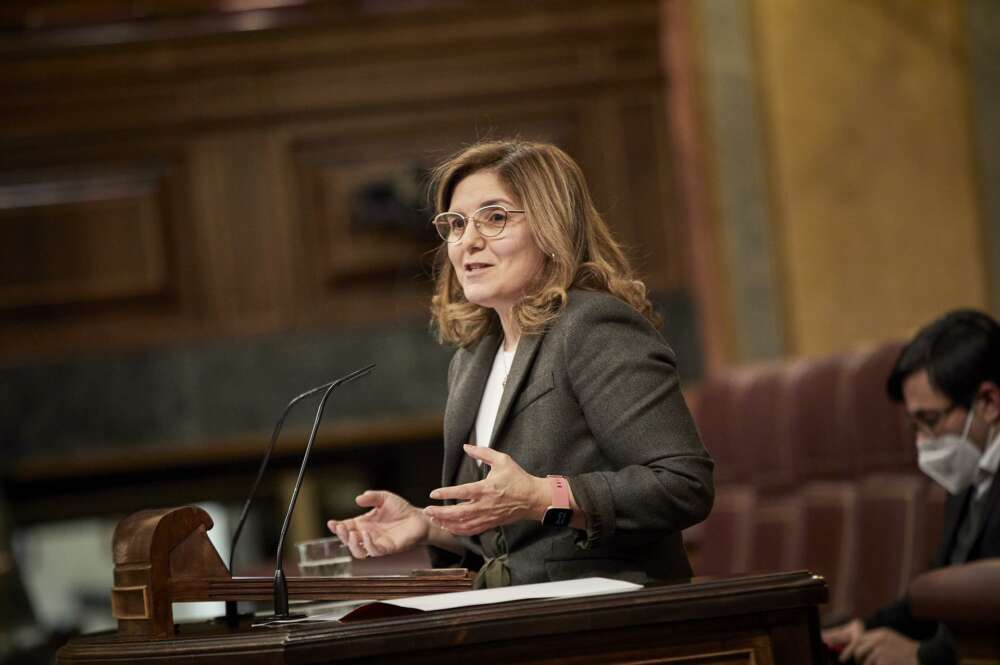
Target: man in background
(948,378)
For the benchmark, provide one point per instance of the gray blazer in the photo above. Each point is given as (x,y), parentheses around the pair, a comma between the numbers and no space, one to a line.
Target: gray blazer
(596,398)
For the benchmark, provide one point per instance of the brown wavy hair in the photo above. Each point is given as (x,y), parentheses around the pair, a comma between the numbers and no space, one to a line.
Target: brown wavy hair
(579,249)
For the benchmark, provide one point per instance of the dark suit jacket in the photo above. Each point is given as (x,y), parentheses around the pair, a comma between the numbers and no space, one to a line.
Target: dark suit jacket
(936,647)
(597,399)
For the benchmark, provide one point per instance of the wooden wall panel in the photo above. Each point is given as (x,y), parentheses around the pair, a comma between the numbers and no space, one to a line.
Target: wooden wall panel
(96,250)
(364,213)
(349,259)
(82,238)
(656,235)
(294,143)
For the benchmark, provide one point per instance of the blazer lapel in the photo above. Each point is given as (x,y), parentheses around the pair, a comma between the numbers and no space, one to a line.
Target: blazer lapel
(527,348)
(954,510)
(463,402)
(990,507)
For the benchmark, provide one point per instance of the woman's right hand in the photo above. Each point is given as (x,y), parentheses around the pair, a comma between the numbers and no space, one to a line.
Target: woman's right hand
(392,525)
(841,637)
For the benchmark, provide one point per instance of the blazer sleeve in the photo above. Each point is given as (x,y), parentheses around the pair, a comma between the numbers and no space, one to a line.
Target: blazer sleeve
(897,615)
(936,645)
(938,650)
(625,378)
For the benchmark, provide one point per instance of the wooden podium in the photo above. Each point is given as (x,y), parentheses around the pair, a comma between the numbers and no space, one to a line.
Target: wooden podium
(759,620)
(165,556)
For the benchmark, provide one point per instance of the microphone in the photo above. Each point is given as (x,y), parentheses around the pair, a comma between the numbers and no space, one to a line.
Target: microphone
(280,584)
(264,462)
(232,616)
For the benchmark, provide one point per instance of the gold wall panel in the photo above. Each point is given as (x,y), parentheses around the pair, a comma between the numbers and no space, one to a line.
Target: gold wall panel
(872,171)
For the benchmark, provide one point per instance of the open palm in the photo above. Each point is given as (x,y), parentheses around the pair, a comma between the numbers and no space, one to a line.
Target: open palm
(392,525)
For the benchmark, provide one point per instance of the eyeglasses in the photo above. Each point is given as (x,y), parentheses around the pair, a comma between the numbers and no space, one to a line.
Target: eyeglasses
(489,220)
(928,420)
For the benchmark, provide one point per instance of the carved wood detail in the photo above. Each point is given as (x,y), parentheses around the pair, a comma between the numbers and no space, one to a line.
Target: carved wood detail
(75,236)
(258,159)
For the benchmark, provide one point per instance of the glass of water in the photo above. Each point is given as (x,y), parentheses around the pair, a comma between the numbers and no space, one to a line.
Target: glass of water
(324,557)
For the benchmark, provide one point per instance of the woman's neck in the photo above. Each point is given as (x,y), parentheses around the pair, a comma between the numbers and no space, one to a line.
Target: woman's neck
(511,332)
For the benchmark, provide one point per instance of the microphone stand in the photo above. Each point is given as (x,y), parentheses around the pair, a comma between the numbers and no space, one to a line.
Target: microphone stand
(232,615)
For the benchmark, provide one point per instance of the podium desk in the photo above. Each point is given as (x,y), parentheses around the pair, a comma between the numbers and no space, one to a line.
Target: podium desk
(759,620)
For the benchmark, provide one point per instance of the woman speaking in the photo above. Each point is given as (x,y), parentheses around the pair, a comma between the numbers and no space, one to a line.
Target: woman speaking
(568,448)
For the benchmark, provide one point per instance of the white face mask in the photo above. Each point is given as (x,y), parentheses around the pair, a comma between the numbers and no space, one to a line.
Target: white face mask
(951,460)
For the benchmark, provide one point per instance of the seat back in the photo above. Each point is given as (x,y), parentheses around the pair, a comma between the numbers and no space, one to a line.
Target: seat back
(776,543)
(725,542)
(875,427)
(888,535)
(812,421)
(715,416)
(829,540)
(765,456)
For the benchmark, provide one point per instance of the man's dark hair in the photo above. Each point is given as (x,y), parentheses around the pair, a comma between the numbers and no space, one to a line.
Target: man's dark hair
(959,351)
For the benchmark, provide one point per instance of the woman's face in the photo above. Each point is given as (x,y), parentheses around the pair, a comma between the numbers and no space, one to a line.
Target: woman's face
(494,272)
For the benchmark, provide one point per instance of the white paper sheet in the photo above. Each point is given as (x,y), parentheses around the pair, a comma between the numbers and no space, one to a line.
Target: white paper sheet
(588,586)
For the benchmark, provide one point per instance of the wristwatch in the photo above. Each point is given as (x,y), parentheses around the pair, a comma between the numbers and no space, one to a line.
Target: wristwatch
(559,513)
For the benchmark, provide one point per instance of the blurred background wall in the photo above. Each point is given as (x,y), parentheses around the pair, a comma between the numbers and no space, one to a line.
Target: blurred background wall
(851,158)
(209,207)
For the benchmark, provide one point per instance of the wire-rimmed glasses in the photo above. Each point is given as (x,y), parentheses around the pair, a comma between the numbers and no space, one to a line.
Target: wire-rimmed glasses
(489,220)
(928,420)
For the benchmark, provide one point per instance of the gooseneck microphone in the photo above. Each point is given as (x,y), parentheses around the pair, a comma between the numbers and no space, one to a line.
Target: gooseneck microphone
(232,616)
(280,584)
(264,462)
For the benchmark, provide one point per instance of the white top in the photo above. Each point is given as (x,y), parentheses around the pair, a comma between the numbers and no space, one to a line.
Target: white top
(489,405)
(988,464)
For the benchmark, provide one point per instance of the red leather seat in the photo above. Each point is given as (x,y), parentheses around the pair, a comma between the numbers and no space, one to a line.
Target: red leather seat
(764,455)
(726,534)
(776,459)
(777,533)
(874,425)
(814,418)
(829,540)
(714,414)
(888,537)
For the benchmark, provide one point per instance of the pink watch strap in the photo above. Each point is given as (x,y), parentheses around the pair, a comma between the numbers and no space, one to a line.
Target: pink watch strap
(560,491)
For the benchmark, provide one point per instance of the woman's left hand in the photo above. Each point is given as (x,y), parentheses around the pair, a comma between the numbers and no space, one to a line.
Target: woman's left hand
(506,495)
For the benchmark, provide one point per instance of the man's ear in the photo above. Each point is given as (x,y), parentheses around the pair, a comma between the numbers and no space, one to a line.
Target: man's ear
(989,397)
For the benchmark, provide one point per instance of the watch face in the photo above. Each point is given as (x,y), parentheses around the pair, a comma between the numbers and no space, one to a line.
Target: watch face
(557,517)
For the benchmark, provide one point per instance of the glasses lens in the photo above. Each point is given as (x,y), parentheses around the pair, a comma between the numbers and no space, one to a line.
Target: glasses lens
(449,226)
(917,426)
(928,420)
(491,220)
